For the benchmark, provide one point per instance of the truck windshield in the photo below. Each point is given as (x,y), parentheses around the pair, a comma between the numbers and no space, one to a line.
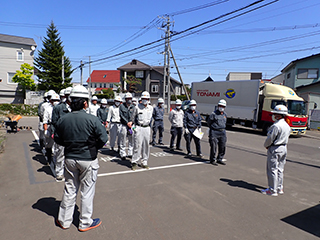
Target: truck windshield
(296,107)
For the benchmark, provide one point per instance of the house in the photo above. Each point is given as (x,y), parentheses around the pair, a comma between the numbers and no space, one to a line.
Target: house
(104,79)
(302,71)
(234,76)
(14,51)
(151,80)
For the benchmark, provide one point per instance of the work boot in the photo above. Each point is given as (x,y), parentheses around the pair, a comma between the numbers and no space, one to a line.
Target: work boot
(214,162)
(144,166)
(221,162)
(133,166)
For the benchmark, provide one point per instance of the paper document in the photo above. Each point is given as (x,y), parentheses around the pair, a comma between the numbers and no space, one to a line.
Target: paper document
(198,134)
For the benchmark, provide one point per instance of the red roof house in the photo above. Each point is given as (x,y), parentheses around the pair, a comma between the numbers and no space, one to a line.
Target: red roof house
(104,79)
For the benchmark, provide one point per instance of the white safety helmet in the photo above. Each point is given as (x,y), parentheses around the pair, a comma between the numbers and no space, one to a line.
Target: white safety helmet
(128,95)
(67,91)
(134,100)
(45,94)
(50,93)
(104,101)
(193,102)
(160,100)
(94,98)
(79,92)
(178,102)
(280,109)
(118,98)
(62,92)
(222,102)
(145,94)
(55,97)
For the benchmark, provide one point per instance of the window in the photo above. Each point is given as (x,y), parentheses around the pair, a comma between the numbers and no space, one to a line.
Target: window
(297,107)
(277,102)
(154,88)
(308,73)
(288,75)
(10,76)
(20,56)
(111,85)
(139,74)
(104,85)
(178,90)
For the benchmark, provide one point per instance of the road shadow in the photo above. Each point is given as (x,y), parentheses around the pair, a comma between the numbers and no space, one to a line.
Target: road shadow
(50,206)
(245,130)
(35,147)
(307,220)
(242,184)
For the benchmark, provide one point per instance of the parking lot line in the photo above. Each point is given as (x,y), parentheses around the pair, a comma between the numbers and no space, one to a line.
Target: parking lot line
(150,169)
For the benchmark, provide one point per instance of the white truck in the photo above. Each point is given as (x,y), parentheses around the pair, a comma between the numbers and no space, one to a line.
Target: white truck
(250,102)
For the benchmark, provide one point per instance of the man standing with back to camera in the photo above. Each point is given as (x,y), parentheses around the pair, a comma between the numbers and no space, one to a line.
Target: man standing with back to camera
(82,135)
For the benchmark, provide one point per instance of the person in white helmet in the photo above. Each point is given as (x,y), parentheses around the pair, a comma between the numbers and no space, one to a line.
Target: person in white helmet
(47,125)
(114,120)
(82,135)
(276,144)
(134,101)
(141,117)
(126,111)
(102,112)
(40,126)
(94,106)
(157,116)
(191,122)
(217,123)
(58,153)
(176,119)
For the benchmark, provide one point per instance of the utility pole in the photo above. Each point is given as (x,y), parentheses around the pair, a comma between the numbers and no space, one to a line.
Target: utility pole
(166,65)
(81,72)
(90,77)
(62,74)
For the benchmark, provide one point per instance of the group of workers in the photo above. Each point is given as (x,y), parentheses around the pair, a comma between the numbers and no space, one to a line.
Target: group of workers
(72,129)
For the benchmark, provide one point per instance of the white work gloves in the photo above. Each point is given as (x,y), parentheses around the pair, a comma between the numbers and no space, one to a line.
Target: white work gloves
(187,131)
(199,129)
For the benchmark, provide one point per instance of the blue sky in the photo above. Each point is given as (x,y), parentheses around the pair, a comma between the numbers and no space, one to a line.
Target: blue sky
(263,40)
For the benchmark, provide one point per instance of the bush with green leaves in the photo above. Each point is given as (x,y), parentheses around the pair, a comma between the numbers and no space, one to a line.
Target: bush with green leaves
(19,109)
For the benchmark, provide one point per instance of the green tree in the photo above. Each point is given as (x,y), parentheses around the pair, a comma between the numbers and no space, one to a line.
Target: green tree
(106,93)
(24,77)
(49,62)
(132,83)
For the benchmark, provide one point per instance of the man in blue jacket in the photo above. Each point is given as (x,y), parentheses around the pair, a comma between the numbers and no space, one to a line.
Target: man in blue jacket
(191,122)
(82,135)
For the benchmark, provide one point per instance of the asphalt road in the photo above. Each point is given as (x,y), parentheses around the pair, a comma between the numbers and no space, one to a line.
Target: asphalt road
(177,198)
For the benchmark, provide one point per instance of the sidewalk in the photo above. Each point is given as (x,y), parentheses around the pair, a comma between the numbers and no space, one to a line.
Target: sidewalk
(312,134)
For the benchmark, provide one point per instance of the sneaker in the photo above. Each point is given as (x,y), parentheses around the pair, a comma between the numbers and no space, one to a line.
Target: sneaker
(280,191)
(59,178)
(189,154)
(269,192)
(96,223)
(133,166)
(59,224)
(171,149)
(144,166)
(129,156)
(160,143)
(179,149)
(200,155)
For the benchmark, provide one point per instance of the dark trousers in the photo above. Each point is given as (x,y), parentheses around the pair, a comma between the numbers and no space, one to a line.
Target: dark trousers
(175,131)
(157,125)
(217,140)
(196,140)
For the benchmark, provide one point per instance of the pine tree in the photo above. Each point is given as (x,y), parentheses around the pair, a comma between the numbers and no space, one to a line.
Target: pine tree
(49,62)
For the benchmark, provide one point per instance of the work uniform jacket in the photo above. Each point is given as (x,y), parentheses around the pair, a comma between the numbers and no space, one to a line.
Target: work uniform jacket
(102,114)
(278,134)
(191,120)
(125,113)
(81,134)
(176,118)
(217,120)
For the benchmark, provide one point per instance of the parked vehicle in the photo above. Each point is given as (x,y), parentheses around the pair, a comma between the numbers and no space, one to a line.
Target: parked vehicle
(250,102)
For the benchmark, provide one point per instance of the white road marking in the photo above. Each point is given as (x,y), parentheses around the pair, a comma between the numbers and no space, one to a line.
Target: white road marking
(35,136)
(150,169)
(161,154)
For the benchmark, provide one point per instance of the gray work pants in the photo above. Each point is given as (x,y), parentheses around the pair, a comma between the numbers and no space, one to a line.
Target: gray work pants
(58,156)
(123,139)
(217,140)
(80,175)
(276,159)
(42,138)
(141,147)
(114,130)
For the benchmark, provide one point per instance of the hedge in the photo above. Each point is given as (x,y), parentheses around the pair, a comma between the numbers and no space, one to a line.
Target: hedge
(19,109)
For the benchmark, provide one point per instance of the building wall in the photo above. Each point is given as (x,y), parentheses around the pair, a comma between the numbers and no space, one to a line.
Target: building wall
(9,64)
(312,63)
